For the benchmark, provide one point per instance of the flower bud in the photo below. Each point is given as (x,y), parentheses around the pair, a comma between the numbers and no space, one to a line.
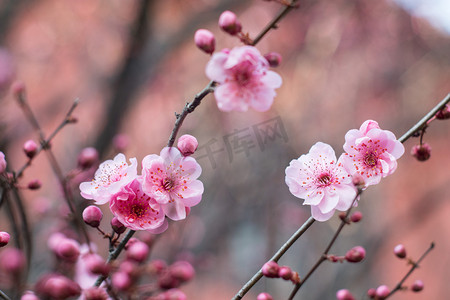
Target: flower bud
(4,238)
(68,250)
(358,181)
(121,281)
(264,296)
(95,293)
(356,217)
(421,152)
(444,113)
(400,251)
(55,286)
(87,158)
(92,215)
(34,184)
(270,269)
(30,148)
(18,88)
(371,293)
(12,260)
(2,162)
(273,58)
(96,264)
(417,286)
(167,281)
(29,295)
(138,251)
(205,40)
(157,266)
(382,292)
(120,142)
(285,272)
(117,226)
(187,144)
(344,295)
(356,254)
(295,278)
(174,294)
(182,270)
(229,23)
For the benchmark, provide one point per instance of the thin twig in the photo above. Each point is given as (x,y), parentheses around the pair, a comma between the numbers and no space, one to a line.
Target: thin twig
(323,257)
(4,296)
(413,267)
(275,258)
(114,254)
(423,122)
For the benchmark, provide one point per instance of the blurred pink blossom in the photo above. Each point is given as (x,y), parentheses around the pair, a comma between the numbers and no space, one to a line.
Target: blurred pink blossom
(244,79)
(321,181)
(371,152)
(109,178)
(136,210)
(171,180)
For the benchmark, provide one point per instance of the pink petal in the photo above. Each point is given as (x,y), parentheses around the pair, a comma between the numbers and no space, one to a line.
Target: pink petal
(329,202)
(367,126)
(193,194)
(215,67)
(271,80)
(175,210)
(320,216)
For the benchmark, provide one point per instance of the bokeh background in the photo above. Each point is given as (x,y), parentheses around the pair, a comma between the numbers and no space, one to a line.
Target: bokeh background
(133,64)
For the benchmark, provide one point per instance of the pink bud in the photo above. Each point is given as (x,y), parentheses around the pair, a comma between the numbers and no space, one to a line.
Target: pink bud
(29,295)
(344,295)
(129,267)
(118,227)
(358,181)
(264,296)
(30,148)
(18,88)
(356,254)
(444,113)
(182,270)
(121,281)
(2,162)
(273,58)
(205,40)
(229,23)
(138,252)
(157,266)
(68,250)
(270,269)
(167,281)
(371,293)
(92,215)
(12,260)
(55,286)
(34,184)
(356,217)
(95,293)
(421,153)
(96,264)
(187,144)
(285,272)
(4,238)
(87,158)
(120,142)
(295,278)
(174,294)
(400,251)
(417,286)
(382,292)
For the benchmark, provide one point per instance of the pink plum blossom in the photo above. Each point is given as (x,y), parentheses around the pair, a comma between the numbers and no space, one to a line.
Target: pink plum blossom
(109,178)
(244,79)
(321,181)
(171,179)
(136,210)
(371,152)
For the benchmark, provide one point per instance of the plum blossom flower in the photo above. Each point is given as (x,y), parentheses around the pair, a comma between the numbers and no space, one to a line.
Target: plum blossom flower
(371,152)
(137,210)
(171,179)
(321,181)
(244,79)
(109,178)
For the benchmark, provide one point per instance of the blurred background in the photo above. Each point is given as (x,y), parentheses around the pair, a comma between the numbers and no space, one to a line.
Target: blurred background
(133,64)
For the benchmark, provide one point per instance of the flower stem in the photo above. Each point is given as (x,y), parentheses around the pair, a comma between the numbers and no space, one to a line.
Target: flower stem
(275,258)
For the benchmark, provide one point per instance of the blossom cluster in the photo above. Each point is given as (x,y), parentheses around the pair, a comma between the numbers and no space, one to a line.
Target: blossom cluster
(328,184)
(168,187)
